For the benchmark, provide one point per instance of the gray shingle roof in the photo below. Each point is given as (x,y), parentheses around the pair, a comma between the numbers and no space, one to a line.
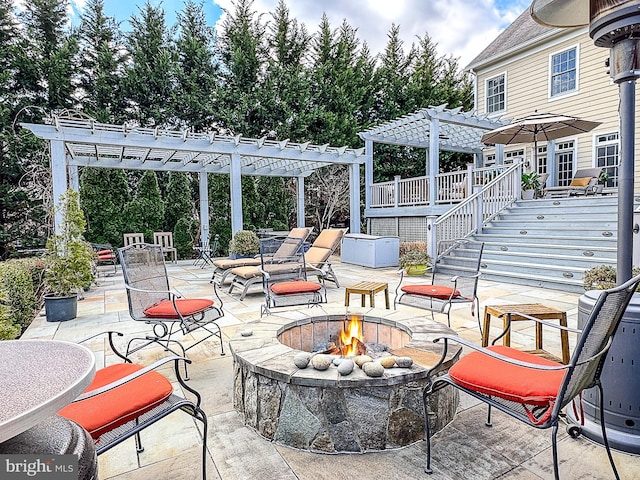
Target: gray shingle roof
(521,31)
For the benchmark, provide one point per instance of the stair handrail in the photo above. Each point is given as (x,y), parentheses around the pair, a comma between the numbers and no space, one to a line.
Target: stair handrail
(470,215)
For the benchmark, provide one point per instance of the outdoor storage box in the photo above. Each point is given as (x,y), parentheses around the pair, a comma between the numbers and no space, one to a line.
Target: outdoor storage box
(370,251)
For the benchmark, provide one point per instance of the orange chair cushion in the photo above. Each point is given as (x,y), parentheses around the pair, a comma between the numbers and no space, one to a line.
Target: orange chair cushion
(434,291)
(528,386)
(116,407)
(186,307)
(110,256)
(105,252)
(580,182)
(294,287)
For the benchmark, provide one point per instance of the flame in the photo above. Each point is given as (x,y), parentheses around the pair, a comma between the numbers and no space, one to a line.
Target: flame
(352,330)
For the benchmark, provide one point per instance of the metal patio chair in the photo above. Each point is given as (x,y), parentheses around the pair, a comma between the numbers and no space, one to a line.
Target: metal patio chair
(530,388)
(105,256)
(125,398)
(206,250)
(284,276)
(151,301)
(455,281)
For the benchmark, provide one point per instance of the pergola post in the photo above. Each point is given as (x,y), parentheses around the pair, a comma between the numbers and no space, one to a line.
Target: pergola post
(74,178)
(203,190)
(300,217)
(434,162)
(236,194)
(354,197)
(58,179)
(368,171)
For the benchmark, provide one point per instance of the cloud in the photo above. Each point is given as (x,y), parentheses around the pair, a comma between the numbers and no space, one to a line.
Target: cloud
(462,28)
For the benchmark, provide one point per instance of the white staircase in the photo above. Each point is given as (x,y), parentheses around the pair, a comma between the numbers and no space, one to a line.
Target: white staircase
(551,242)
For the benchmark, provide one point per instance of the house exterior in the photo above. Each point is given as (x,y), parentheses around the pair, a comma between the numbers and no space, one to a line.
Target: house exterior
(530,67)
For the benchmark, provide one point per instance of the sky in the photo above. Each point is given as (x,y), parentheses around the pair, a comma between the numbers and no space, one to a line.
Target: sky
(462,28)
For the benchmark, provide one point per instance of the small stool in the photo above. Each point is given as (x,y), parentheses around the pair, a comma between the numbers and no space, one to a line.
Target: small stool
(535,310)
(368,288)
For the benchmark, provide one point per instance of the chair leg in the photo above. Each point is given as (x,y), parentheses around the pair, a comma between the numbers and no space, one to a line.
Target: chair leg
(554,444)
(427,429)
(604,432)
(488,422)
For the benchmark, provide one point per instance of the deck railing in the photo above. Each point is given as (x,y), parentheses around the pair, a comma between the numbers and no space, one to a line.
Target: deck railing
(481,207)
(452,187)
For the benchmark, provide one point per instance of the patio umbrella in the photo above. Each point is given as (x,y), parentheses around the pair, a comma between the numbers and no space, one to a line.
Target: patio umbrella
(539,126)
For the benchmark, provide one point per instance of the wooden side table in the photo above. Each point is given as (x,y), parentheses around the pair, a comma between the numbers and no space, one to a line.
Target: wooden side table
(535,310)
(370,289)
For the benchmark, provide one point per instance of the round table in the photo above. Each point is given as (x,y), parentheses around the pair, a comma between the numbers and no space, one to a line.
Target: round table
(38,378)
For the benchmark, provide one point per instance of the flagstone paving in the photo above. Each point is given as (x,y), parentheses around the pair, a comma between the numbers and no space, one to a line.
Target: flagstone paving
(465,449)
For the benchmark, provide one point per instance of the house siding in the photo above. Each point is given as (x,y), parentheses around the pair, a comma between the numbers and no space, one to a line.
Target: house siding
(527,90)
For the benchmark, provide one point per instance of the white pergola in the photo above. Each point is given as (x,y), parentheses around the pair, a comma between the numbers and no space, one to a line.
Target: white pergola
(81,142)
(435,129)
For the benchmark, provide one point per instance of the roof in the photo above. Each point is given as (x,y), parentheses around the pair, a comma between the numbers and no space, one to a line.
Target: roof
(93,144)
(521,32)
(458,131)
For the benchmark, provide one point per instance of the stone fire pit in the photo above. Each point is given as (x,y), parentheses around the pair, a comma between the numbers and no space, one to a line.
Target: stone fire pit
(323,411)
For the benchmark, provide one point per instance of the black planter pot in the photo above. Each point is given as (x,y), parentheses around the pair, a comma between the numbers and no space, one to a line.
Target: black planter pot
(60,309)
(620,380)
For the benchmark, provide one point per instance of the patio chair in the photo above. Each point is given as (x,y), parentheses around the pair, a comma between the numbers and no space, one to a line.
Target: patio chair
(151,301)
(318,257)
(455,281)
(105,256)
(131,238)
(165,240)
(584,182)
(205,251)
(532,389)
(224,266)
(284,278)
(126,398)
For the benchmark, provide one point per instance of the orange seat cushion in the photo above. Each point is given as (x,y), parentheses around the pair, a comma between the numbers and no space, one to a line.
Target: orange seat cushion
(491,376)
(105,252)
(580,182)
(434,291)
(294,287)
(116,407)
(109,256)
(186,307)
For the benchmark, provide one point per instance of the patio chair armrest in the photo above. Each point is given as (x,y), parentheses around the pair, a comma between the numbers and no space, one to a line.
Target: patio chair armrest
(128,378)
(170,294)
(111,334)
(495,355)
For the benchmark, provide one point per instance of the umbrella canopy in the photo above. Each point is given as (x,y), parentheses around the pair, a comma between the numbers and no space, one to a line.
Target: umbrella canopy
(539,126)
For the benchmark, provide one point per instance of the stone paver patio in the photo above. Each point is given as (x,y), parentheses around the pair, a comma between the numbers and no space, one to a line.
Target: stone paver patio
(463,449)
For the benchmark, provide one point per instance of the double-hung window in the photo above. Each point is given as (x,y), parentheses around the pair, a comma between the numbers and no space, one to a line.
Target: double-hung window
(495,97)
(607,155)
(564,72)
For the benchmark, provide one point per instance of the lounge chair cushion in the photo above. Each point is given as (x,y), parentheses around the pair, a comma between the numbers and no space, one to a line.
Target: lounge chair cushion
(317,255)
(434,291)
(226,263)
(113,408)
(580,182)
(186,307)
(491,376)
(328,238)
(294,287)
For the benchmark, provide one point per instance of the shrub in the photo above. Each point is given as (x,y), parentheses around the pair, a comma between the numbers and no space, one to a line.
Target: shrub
(603,277)
(244,242)
(413,253)
(20,295)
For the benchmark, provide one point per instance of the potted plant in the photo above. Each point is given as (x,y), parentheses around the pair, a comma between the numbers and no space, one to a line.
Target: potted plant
(414,258)
(530,183)
(244,243)
(68,262)
(603,178)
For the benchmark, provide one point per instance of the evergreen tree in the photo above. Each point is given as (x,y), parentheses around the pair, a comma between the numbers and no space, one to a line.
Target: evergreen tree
(178,200)
(197,69)
(101,65)
(105,220)
(149,80)
(145,212)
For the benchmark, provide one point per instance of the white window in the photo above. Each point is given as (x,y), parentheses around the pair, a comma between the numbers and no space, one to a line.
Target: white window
(563,72)
(495,96)
(565,153)
(607,155)
(509,157)
(541,167)
(490,160)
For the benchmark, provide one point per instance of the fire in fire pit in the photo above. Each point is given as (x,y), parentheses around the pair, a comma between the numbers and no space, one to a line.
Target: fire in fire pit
(350,339)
